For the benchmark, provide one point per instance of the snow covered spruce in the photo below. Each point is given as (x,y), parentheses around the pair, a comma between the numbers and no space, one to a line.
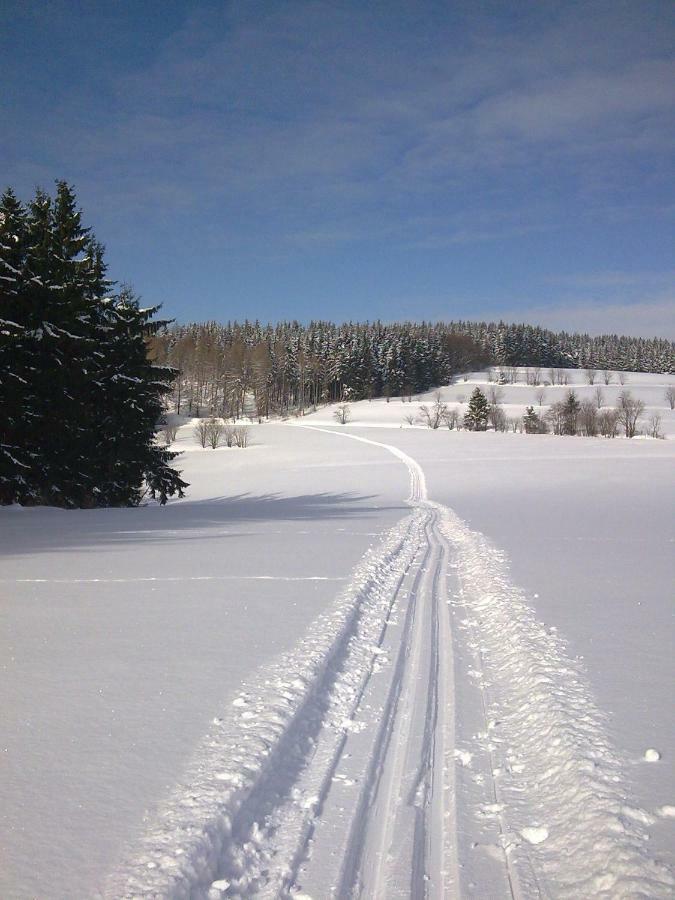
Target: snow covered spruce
(80,399)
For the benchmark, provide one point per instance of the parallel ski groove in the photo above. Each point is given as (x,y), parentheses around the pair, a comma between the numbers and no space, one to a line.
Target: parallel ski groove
(254,839)
(352,869)
(425,655)
(201,836)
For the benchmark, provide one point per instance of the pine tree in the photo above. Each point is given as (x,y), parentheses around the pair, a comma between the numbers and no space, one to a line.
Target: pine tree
(532,422)
(80,432)
(131,404)
(15,349)
(570,410)
(477,413)
(65,292)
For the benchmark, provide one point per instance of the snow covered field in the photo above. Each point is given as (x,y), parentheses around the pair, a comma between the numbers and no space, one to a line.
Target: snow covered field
(226,697)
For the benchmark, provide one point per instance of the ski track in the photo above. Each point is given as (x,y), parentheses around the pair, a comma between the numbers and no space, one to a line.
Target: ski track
(328,778)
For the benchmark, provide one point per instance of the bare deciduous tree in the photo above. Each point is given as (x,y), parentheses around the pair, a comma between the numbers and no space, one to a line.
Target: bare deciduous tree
(670,396)
(608,422)
(590,376)
(168,431)
(241,435)
(201,432)
(497,418)
(555,417)
(451,417)
(607,376)
(495,395)
(214,431)
(228,435)
(342,414)
(409,419)
(654,426)
(623,377)
(587,419)
(599,396)
(433,416)
(236,435)
(540,395)
(629,410)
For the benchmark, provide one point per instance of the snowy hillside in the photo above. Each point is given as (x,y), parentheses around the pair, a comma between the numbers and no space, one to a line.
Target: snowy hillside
(368,660)
(515,398)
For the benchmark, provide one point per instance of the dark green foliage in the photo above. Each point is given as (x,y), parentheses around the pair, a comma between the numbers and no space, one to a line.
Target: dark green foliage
(533,423)
(15,348)
(79,397)
(570,410)
(477,414)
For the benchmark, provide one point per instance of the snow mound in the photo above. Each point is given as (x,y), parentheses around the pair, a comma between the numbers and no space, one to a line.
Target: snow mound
(534,834)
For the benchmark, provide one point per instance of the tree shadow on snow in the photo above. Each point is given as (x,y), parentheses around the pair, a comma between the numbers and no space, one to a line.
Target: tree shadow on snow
(41,529)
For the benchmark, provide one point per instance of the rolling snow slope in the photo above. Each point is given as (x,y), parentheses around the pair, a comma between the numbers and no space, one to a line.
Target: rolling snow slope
(515,398)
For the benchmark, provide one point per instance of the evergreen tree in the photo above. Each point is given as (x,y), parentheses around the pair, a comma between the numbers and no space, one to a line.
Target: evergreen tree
(130,403)
(477,413)
(15,349)
(570,410)
(532,422)
(80,432)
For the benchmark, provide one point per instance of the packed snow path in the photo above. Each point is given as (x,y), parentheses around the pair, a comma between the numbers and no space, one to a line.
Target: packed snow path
(361,765)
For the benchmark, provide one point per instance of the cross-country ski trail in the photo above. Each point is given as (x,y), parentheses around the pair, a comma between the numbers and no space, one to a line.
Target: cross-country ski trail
(428,738)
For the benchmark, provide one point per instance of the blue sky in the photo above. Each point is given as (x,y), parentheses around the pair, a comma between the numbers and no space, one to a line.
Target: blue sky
(353,160)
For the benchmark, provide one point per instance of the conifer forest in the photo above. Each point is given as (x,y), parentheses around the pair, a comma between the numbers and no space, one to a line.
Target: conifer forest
(289,365)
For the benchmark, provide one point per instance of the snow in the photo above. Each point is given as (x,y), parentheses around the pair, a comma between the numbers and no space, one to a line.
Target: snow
(365,657)
(110,681)
(534,834)
(648,387)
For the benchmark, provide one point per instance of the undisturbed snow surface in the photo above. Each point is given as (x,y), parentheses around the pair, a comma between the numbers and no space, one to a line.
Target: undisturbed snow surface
(226,696)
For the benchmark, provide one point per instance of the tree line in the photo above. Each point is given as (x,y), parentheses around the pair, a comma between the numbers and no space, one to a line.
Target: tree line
(277,368)
(568,416)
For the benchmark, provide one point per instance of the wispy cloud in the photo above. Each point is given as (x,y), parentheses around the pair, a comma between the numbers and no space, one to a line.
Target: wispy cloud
(313,99)
(439,138)
(652,318)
